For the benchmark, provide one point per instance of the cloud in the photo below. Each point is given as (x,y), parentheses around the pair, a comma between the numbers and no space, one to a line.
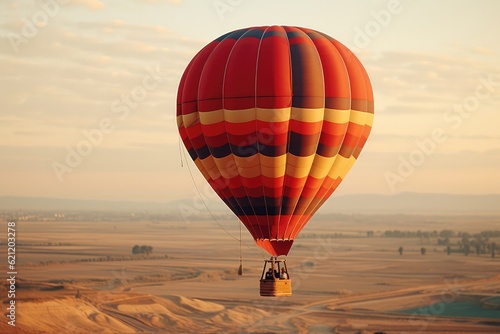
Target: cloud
(424,87)
(73,73)
(175,2)
(89,4)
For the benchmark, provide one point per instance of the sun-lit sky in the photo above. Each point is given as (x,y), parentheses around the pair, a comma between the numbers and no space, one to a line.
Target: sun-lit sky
(88,89)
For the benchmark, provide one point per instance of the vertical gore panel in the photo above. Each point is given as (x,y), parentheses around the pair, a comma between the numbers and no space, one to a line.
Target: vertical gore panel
(212,77)
(307,73)
(274,86)
(240,72)
(361,89)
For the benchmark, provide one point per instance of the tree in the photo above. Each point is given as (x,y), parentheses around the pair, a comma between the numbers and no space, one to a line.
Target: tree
(466,249)
(443,242)
(446,234)
(142,249)
(146,249)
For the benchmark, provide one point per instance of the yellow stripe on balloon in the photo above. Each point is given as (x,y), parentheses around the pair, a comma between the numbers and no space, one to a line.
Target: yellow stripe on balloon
(297,161)
(190,119)
(321,166)
(202,169)
(273,171)
(226,166)
(340,166)
(273,115)
(307,114)
(212,117)
(360,117)
(246,162)
(298,167)
(180,121)
(272,161)
(337,115)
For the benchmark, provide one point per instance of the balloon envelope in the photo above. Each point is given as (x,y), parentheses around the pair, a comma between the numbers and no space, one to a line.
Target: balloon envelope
(274,117)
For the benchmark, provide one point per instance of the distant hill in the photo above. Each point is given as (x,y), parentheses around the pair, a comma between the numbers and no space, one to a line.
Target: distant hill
(42,204)
(367,203)
(414,203)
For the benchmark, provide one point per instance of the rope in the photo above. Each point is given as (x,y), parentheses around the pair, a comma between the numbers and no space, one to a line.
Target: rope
(240,269)
(208,209)
(180,152)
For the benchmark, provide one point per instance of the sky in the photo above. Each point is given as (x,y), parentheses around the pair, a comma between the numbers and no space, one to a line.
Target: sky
(88,92)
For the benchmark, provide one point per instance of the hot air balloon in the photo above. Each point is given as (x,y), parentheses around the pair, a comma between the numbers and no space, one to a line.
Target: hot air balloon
(274,117)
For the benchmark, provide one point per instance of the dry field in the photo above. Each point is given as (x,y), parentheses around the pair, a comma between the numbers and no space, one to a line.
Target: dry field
(80,278)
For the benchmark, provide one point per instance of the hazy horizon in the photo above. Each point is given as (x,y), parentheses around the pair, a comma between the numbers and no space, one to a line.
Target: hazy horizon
(201,208)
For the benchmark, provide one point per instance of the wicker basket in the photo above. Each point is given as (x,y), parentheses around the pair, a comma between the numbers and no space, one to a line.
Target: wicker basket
(275,288)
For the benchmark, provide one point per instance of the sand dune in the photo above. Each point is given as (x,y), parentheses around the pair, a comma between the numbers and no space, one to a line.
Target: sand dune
(136,313)
(67,315)
(128,312)
(347,285)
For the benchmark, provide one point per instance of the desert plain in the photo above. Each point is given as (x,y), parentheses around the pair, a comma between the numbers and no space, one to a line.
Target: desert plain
(81,277)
